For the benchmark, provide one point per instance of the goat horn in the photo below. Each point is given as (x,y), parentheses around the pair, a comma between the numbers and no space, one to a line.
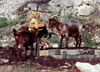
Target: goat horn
(54,16)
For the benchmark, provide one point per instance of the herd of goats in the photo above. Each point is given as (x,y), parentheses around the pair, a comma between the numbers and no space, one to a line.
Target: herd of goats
(25,38)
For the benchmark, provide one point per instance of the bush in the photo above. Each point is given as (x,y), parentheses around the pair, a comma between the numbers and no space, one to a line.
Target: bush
(88,42)
(3,19)
(1,36)
(69,16)
(21,21)
(53,40)
(3,22)
(13,22)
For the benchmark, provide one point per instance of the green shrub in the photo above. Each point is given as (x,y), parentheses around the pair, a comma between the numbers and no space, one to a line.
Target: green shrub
(84,24)
(22,16)
(13,22)
(1,36)
(21,21)
(3,24)
(3,19)
(53,40)
(88,42)
(69,16)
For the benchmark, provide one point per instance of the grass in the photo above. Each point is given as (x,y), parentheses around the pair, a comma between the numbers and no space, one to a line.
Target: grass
(87,41)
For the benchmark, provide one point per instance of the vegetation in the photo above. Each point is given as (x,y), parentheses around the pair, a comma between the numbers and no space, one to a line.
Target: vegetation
(3,22)
(88,42)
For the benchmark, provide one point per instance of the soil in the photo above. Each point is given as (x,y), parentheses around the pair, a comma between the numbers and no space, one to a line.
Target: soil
(44,62)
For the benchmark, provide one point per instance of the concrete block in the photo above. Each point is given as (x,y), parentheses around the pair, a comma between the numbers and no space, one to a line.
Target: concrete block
(63,51)
(72,56)
(86,56)
(85,52)
(97,52)
(68,52)
(54,52)
(71,52)
(44,52)
(57,56)
(97,56)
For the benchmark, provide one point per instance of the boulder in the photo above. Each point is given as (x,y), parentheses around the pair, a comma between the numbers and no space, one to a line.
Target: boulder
(77,2)
(85,10)
(32,6)
(86,67)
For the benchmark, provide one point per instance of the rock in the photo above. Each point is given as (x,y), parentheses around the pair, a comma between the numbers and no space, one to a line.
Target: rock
(77,2)
(32,6)
(86,67)
(85,10)
(5,45)
(55,45)
(26,9)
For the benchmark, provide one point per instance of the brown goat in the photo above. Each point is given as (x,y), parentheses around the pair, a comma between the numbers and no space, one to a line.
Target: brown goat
(25,38)
(72,28)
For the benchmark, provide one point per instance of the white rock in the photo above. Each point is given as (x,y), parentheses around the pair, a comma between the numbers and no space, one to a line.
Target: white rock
(5,45)
(86,67)
(85,10)
(55,45)
(77,2)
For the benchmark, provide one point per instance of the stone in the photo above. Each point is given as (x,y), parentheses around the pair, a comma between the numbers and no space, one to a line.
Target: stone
(72,57)
(86,56)
(85,10)
(26,9)
(97,52)
(54,52)
(71,52)
(33,6)
(5,45)
(44,52)
(57,56)
(87,67)
(77,2)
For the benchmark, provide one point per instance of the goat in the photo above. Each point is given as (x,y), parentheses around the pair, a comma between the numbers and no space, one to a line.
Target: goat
(25,38)
(73,29)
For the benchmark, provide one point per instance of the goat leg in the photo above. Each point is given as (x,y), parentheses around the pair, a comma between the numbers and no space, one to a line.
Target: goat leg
(66,40)
(61,41)
(32,51)
(76,38)
(80,41)
(15,50)
(20,52)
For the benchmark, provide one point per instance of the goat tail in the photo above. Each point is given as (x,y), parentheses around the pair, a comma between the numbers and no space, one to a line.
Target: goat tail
(15,32)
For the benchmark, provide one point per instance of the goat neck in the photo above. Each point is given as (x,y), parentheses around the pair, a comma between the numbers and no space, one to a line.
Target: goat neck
(57,26)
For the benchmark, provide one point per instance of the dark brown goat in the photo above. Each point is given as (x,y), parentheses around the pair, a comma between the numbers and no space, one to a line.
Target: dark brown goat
(72,28)
(25,38)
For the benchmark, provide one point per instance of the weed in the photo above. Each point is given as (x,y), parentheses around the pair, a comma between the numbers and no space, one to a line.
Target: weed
(84,24)
(1,36)
(3,24)
(88,42)
(69,16)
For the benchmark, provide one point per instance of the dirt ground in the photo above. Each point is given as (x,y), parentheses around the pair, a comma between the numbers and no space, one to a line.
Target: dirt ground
(43,64)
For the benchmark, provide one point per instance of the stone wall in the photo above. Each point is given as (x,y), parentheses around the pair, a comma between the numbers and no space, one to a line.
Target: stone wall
(88,8)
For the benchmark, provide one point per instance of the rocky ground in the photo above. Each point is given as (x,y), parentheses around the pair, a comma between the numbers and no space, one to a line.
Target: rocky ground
(43,64)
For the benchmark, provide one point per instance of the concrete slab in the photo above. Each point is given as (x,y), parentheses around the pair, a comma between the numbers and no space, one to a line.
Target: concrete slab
(44,52)
(86,56)
(58,56)
(71,52)
(97,52)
